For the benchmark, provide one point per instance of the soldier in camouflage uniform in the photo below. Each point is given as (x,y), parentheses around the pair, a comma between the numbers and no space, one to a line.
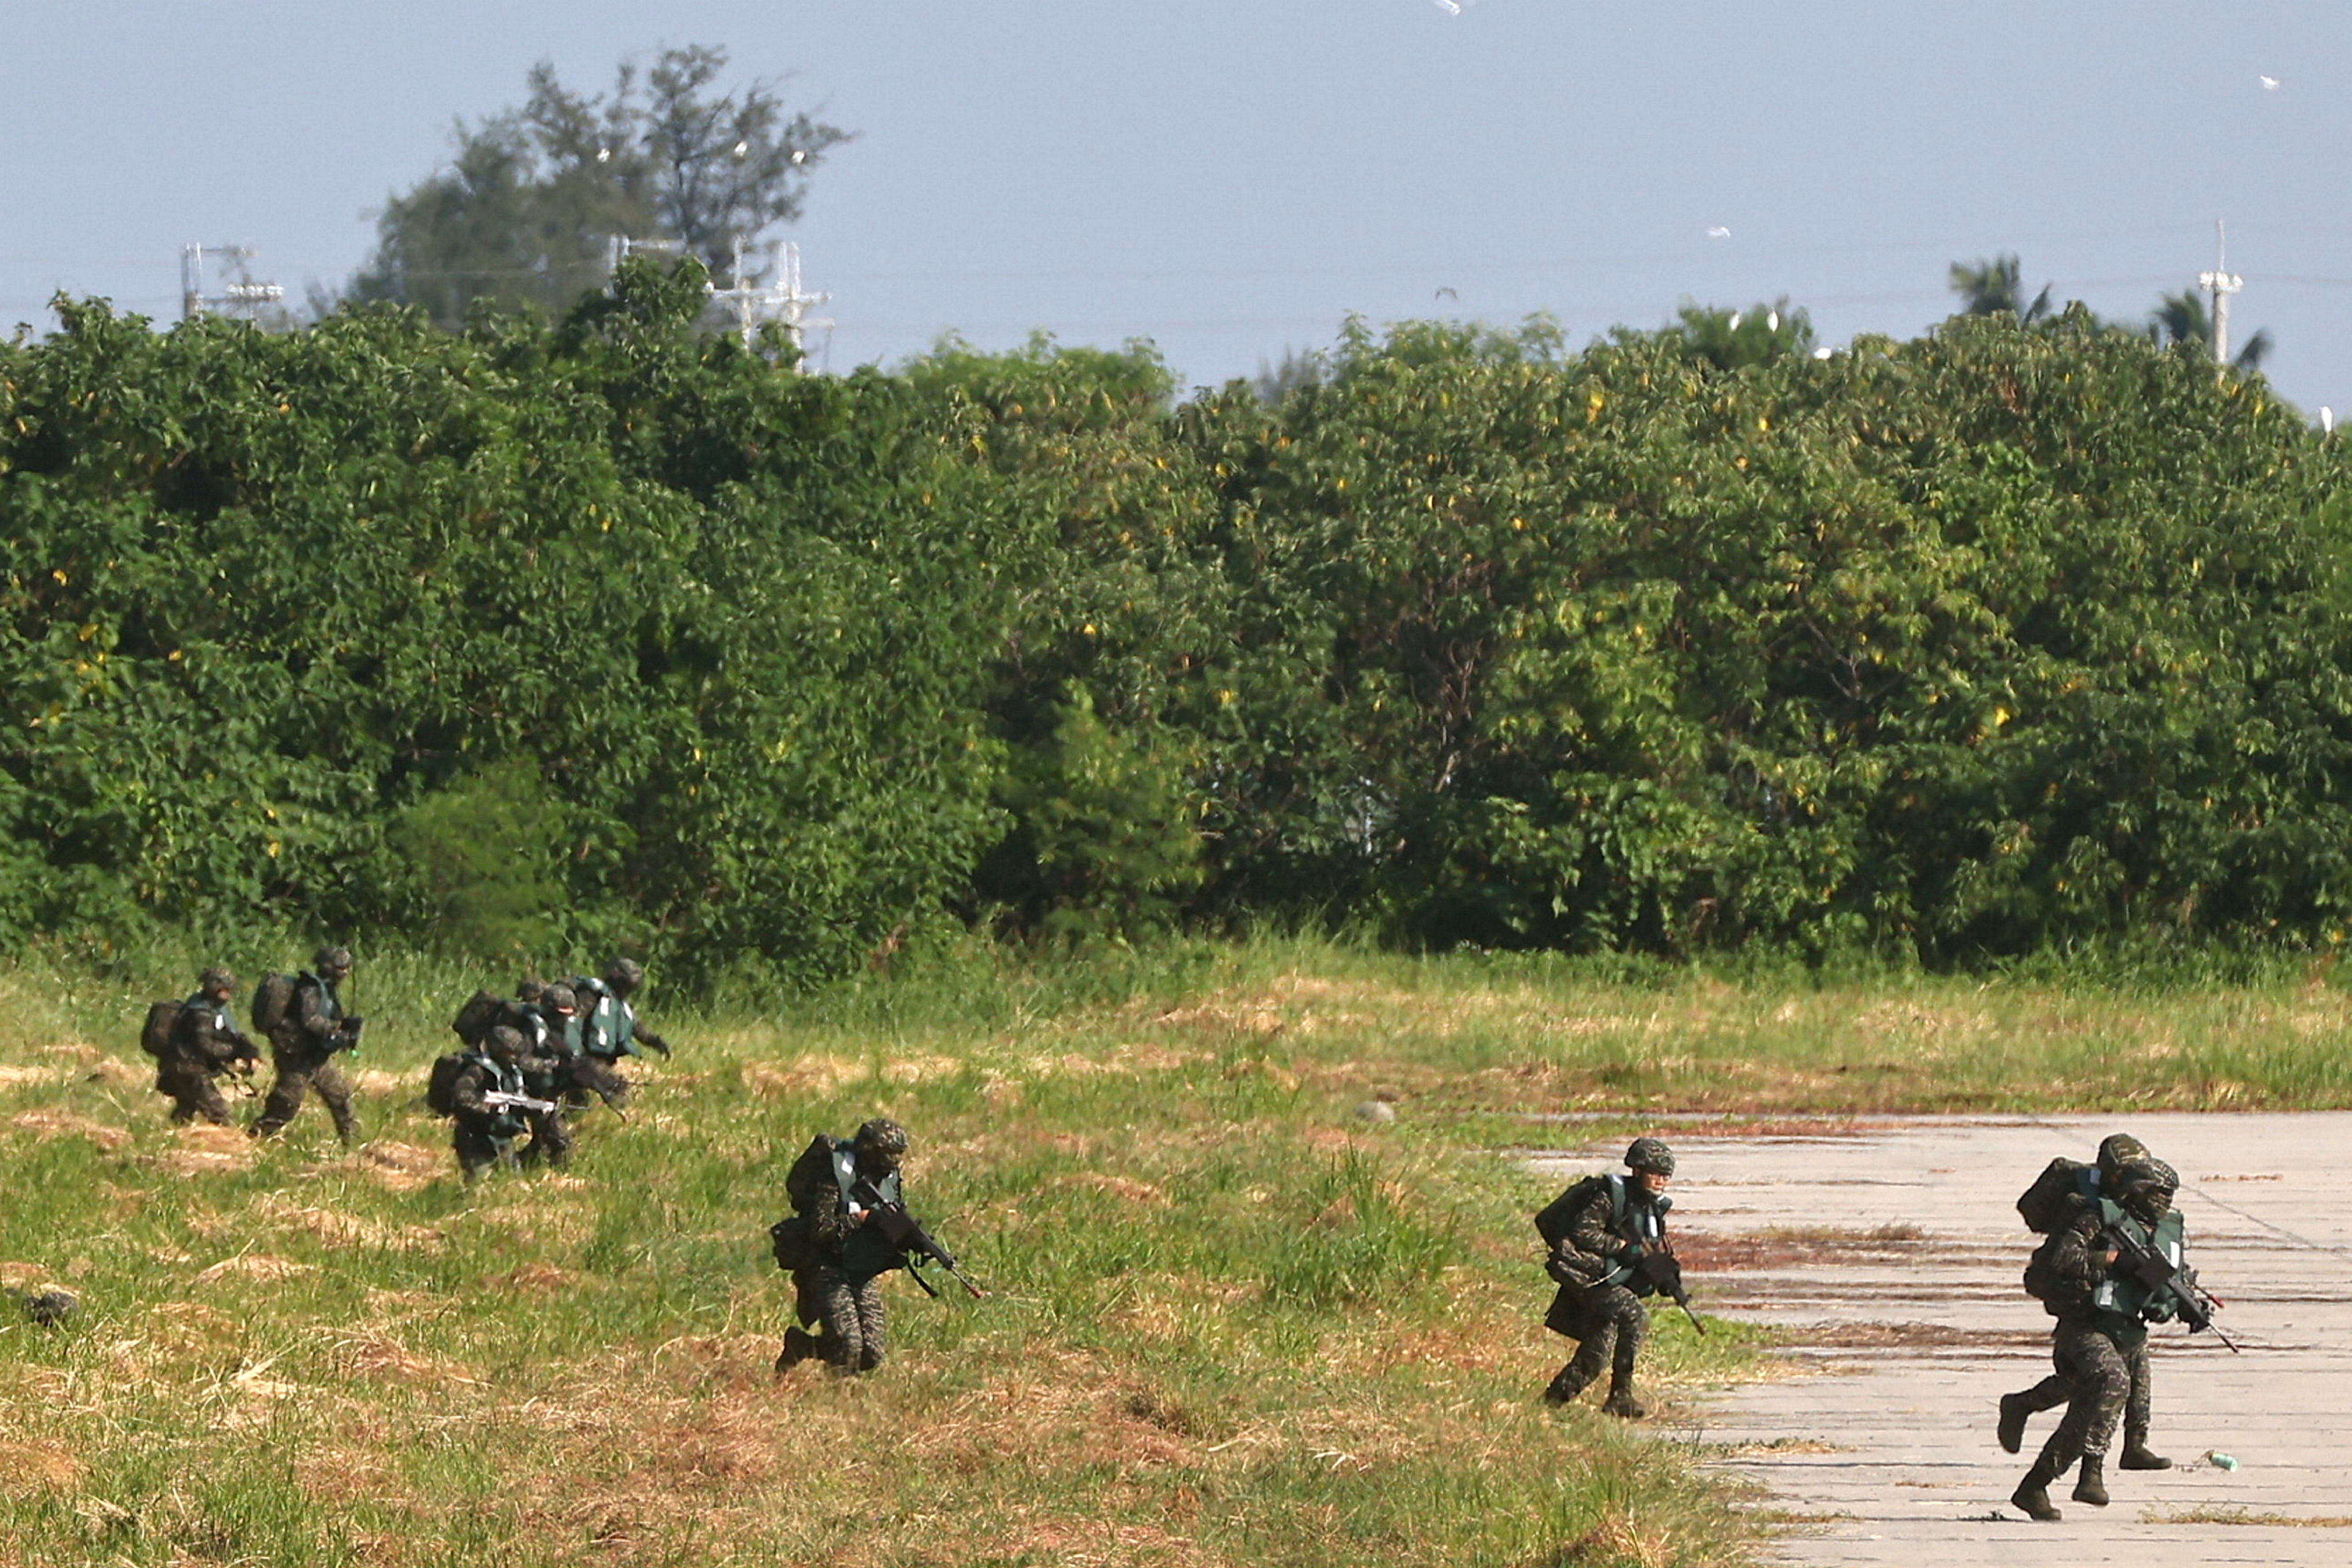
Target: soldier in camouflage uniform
(840,1289)
(205,1043)
(484,1134)
(2054,1391)
(2099,1344)
(303,1045)
(1598,1231)
(551,1030)
(609,1031)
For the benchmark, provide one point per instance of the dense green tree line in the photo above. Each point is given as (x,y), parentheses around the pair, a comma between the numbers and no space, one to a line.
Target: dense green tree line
(608,630)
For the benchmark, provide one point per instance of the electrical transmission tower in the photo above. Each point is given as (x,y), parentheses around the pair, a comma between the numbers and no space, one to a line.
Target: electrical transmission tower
(239,296)
(2220,284)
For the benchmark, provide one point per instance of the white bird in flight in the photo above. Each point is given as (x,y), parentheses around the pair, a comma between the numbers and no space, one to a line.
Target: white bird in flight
(1719,232)
(2270,83)
(1451,7)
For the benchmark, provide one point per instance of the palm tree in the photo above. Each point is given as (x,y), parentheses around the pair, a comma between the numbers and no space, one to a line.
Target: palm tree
(2181,319)
(1991,287)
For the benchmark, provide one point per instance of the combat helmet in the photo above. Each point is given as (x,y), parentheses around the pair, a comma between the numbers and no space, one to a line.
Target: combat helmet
(215,978)
(882,1141)
(2115,1150)
(2145,1187)
(1650,1154)
(331,963)
(624,975)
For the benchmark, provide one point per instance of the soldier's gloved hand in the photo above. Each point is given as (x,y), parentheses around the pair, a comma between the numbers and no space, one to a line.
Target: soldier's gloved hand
(655,1043)
(506,1124)
(1562,1269)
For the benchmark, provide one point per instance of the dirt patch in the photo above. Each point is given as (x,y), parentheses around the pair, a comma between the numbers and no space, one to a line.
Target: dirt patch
(806,1075)
(403,1167)
(254,1265)
(201,1149)
(47,1125)
(532,1279)
(29,1467)
(331,1227)
(1125,1188)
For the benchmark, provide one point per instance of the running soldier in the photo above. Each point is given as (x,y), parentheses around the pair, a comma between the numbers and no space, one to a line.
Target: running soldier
(609,1031)
(1600,1231)
(205,1043)
(2099,1344)
(2065,1193)
(483,1100)
(302,1048)
(551,1052)
(837,1285)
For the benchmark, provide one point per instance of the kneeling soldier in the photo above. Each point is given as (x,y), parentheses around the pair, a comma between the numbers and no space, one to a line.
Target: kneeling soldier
(839,1287)
(1600,1231)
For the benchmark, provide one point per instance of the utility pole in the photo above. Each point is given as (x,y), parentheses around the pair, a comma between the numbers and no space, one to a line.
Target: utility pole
(242,296)
(2220,284)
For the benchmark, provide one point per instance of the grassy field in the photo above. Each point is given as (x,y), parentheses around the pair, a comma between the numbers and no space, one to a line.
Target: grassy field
(1232,1322)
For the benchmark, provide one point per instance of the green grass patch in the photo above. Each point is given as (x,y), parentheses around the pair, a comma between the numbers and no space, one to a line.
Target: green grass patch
(1231,1322)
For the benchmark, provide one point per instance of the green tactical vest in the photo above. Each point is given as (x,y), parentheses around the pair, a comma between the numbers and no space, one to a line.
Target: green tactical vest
(2130,1298)
(1643,1224)
(611,1028)
(867,1250)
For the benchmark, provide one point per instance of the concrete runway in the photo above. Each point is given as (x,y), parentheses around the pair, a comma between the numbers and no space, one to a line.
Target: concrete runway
(1891,1249)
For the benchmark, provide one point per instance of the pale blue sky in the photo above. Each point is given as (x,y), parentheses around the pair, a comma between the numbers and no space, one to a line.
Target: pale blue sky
(1228,178)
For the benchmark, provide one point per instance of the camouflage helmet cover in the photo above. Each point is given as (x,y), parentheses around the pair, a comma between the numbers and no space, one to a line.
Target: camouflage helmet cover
(504,1041)
(1650,1154)
(2117,1149)
(530,991)
(624,974)
(2145,1187)
(559,999)
(331,959)
(215,978)
(882,1136)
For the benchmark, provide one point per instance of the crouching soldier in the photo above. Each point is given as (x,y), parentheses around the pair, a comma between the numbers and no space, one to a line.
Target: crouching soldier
(1608,1240)
(488,1103)
(200,1042)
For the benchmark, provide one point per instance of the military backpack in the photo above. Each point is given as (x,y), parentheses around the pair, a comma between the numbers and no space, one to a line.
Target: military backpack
(441,1089)
(156,1036)
(273,999)
(2057,1196)
(794,1240)
(480,1014)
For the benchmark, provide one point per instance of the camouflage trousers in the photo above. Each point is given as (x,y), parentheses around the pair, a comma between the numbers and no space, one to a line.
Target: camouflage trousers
(599,1075)
(550,1139)
(1608,1324)
(479,1152)
(2098,1373)
(194,1096)
(299,1076)
(2139,1404)
(848,1308)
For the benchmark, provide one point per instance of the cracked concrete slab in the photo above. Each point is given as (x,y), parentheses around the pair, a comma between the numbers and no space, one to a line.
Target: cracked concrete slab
(1890,1252)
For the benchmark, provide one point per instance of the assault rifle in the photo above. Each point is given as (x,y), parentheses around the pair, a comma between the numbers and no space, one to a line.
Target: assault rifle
(498,1100)
(2136,1260)
(1664,1270)
(906,1233)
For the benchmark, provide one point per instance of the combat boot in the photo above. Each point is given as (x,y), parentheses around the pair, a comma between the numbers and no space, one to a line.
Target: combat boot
(798,1348)
(2091,1486)
(1566,1386)
(2032,1494)
(1621,1403)
(2011,1430)
(2136,1457)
